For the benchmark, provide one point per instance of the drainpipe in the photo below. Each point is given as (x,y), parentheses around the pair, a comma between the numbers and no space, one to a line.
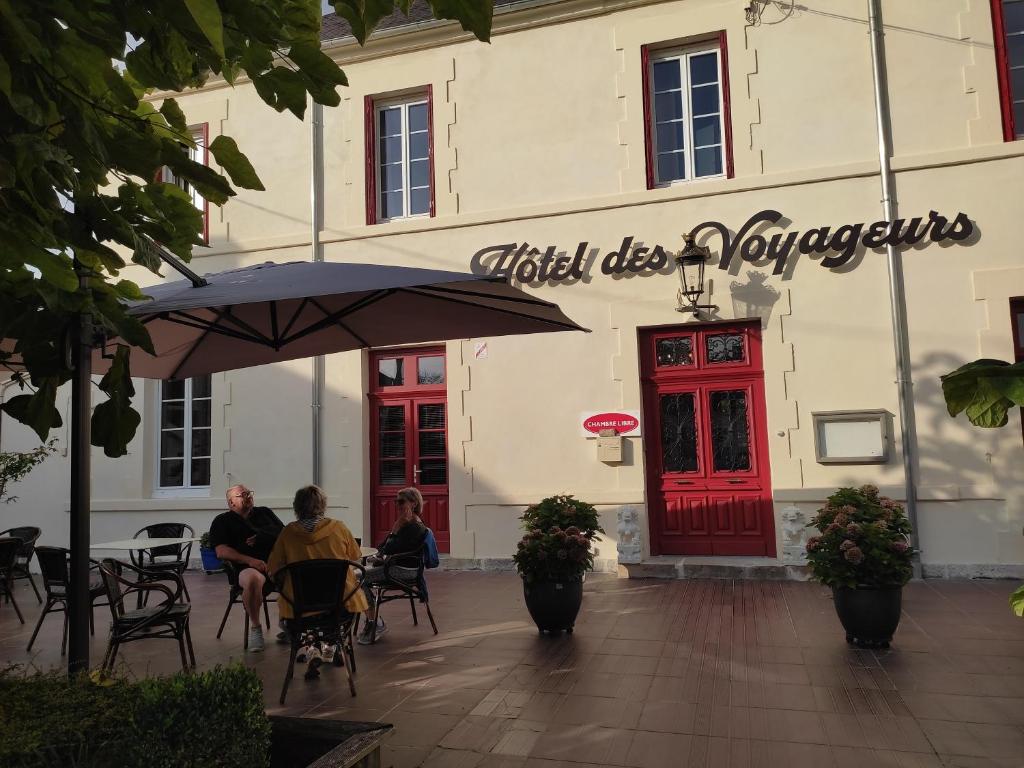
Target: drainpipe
(897,295)
(315,206)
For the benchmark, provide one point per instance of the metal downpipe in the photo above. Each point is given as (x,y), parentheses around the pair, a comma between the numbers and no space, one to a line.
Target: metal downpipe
(897,294)
(315,207)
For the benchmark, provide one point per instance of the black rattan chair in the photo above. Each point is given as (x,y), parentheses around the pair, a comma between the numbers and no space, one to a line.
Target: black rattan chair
(55,564)
(29,535)
(318,597)
(167,619)
(173,557)
(235,596)
(8,554)
(401,584)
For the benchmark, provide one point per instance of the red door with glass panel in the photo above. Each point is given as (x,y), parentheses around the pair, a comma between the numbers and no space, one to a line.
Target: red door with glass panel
(409,437)
(708,481)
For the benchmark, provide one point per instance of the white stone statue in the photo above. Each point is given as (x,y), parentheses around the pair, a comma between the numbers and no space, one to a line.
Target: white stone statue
(794,536)
(628,530)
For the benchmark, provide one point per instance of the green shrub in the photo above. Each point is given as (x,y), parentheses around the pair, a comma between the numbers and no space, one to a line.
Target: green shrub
(554,555)
(864,541)
(213,718)
(562,512)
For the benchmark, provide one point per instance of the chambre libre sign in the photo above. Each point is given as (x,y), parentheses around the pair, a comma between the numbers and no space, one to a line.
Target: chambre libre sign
(752,242)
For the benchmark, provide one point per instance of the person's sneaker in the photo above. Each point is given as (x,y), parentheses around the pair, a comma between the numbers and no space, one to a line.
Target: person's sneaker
(256,643)
(366,633)
(284,637)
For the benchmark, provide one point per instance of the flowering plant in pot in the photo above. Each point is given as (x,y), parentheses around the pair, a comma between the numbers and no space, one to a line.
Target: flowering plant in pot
(553,557)
(863,553)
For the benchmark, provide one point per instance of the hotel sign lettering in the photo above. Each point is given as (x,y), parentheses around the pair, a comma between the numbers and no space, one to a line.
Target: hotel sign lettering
(837,247)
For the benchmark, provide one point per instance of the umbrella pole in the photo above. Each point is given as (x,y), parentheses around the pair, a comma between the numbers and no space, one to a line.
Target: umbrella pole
(81,409)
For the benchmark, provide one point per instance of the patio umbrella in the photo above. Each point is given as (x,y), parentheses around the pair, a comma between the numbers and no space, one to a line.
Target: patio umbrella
(273,312)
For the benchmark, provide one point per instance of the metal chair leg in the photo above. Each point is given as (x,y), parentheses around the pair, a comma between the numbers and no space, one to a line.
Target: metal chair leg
(266,612)
(231,602)
(35,589)
(64,638)
(430,616)
(188,640)
(412,604)
(39,624)
(291,669)
(181,649)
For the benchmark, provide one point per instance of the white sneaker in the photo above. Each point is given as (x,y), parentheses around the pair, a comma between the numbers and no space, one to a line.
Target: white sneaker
(256,643)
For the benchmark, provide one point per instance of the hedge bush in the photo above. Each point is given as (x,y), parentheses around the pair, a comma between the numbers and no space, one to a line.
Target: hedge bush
(213,718)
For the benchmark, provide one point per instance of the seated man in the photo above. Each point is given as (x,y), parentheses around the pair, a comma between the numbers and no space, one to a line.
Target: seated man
(313,536)
(245,535)
(407,535)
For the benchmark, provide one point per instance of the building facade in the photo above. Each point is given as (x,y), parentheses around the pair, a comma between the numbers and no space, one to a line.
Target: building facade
(571,154)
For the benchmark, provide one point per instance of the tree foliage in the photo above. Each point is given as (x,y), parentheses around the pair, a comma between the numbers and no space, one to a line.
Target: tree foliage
(15,465)
(84,142)
(985,390)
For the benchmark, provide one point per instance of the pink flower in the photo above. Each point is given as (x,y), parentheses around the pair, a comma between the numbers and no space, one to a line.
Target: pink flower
(900,546)
(572,530)
(812,543)
(869,490)
(854,555)
(841,520)
(846,545)
(853,529)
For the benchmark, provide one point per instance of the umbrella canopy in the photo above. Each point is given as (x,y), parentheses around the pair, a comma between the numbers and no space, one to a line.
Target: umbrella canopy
(272,312)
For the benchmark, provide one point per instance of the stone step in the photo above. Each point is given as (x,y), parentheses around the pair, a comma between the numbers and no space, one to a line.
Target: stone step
(686,567)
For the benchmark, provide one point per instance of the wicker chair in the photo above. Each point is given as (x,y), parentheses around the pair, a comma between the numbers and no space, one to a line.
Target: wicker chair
(166,619)
(173,557)
(235,596)
(318,597)
(401,584)
(8,554)
(29,535)
(54,562)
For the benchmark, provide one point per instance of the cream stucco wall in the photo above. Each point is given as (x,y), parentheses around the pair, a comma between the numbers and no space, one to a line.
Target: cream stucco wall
(539,137)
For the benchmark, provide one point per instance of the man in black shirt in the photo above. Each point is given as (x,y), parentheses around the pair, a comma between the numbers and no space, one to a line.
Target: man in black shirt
(245,535)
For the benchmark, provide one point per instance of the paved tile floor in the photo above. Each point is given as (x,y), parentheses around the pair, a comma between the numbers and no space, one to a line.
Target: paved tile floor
(658,674)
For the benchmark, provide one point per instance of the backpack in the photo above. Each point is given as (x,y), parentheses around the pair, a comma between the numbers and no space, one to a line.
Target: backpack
(430,556)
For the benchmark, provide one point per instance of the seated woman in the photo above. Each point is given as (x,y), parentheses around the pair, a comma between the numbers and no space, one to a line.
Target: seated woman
(406,536)
(312,536)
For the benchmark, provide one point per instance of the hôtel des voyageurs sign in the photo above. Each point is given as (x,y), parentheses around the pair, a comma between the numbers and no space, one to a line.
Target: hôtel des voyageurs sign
(836,247)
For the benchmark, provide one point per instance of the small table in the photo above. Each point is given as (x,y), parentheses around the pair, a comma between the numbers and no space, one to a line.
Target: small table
(368,551)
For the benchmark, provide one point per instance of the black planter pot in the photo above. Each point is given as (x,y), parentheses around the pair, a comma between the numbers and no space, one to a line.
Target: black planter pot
(553,605)
(869,615)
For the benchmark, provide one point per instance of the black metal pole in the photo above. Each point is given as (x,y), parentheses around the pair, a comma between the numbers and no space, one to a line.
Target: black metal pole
(81,412)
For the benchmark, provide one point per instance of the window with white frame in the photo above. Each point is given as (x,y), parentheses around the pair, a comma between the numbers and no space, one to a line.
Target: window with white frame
(687,126)
(402,158)
(197,154)
(185,430)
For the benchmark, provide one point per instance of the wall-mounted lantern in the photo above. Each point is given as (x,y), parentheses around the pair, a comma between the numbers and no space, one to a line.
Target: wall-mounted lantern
(690,263)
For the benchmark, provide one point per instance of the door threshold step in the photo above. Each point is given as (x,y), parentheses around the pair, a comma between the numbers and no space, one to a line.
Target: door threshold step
(702,567)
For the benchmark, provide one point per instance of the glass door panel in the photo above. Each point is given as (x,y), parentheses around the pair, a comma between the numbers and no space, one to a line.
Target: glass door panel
(391,445)
(729,430)
(678,432)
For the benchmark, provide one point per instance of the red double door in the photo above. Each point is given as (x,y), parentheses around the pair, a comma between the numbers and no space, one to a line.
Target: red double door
(409,437)
(708,478)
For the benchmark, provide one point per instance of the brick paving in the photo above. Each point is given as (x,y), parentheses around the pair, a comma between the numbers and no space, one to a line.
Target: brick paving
(658,674)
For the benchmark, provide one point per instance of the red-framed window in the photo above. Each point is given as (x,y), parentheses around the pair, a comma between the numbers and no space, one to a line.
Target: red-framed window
(687,125)
(402,372)
(1008,29)
(712,350)
(399,156)
(199,152)
(1017,318)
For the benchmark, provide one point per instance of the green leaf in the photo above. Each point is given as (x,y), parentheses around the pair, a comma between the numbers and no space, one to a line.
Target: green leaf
(175,117)
(474,15)
(985,390)
(237,165)
(5,77)
(114,422)
(36,410)
(207,15)
(316,64)
(1017,601)
(363,16)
